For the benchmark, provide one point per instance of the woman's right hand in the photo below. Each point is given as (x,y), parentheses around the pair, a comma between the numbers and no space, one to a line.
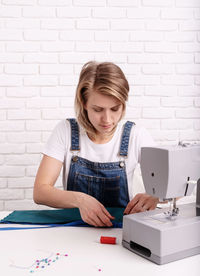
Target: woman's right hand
(93,212)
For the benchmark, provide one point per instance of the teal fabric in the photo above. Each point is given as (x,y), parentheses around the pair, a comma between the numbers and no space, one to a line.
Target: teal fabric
(58,216)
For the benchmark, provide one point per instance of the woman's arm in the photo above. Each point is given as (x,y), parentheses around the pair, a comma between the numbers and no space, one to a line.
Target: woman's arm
(91,210)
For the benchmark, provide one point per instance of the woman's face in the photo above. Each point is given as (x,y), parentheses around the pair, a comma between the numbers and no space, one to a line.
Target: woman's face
(104,112)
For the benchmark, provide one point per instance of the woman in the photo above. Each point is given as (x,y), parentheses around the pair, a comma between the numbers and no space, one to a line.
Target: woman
(97,153)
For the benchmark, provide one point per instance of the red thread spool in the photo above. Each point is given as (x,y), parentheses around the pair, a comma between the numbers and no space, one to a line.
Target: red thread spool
(108,240)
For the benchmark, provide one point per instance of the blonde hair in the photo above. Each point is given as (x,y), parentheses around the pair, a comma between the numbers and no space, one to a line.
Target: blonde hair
(105,78)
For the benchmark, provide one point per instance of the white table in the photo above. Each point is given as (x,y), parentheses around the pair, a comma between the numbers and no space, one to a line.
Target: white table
(86,256)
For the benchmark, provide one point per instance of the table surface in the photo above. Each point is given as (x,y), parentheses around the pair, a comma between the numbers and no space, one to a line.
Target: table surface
(85,254)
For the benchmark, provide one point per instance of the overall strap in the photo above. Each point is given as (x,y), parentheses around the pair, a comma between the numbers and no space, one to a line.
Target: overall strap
(74,135)
(125,139)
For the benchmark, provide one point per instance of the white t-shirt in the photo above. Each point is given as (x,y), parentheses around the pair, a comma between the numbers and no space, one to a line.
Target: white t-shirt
(59,143)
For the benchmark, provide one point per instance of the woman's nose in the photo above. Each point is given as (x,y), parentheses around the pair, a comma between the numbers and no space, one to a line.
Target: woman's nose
(106,116)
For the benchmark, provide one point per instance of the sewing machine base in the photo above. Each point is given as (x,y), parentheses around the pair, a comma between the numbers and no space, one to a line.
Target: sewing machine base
(160,239)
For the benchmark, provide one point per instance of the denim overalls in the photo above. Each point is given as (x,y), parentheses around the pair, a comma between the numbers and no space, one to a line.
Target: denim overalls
(107,182)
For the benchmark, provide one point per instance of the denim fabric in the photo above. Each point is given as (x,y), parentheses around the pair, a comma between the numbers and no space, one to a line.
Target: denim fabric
(107,182)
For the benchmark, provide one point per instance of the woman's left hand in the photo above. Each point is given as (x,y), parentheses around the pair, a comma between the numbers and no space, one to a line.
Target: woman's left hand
(141,203)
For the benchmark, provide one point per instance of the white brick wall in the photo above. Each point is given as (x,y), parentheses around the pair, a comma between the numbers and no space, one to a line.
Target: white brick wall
(43,45)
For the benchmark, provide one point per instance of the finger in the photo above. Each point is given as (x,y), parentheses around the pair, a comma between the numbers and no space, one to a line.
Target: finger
(105,220)
(106,212)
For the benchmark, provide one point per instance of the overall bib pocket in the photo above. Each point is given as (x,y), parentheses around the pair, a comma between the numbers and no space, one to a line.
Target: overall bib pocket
(104,189)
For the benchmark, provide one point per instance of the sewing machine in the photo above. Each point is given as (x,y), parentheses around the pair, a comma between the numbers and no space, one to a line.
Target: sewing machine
(168,234)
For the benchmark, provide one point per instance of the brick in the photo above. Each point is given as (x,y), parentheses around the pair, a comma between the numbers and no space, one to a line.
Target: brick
(57,114)
(22,47)
(38,12)
(77,35)
(176,124)
(119,3)
(3,183)
(190,25)
(18,2)
(29,194)
(188,113)
(57,46)
(163,113)
(25,182)
(48,69)
(146,36)
(2,160)
(92,46)
(11,126)
(40,35)
(70,80)
(165,136)
(89,3)
(197,58)
(21,69)
(8,148)
(74,12)
(23,114)
(133,113)
(177,101)
(157,3)
(189,47)
(41,125)
(129,47)
(40,58)
(55,2)
(43,103)
(161,90)
(2,114)
(22,92)
(162,25)
(34,147)
(144,101)
(11,103)
(196,124)
(10,81)
(177,80)
(92,24)
(144,58)
(22,23)
(142,12)
(160,47)
(109,12)
(8,12)
(180,36)
(127,24)
(79,58)
(10,58)
(58,91)
(197,102)
(144,80)
(111,36)
(157,69)
(178,58)
(25,204)
(149,123)
(189,91)
(189,69)
(31,171)
(41,81)
(11,194)
(25,159)
(12,171)
(7,35)
(23,137)
(112,57)
(57,24)
(176,13)
(188,4)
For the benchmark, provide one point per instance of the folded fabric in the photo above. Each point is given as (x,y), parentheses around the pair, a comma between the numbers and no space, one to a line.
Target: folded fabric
(58,216)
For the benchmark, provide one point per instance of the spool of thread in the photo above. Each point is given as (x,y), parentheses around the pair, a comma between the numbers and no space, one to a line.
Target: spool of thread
(108,240)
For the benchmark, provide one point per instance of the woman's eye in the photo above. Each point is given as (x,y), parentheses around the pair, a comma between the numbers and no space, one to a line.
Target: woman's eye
(115,109)
(97,110)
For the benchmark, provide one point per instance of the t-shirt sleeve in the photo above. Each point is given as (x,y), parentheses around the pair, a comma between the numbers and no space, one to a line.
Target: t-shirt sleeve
(57,142)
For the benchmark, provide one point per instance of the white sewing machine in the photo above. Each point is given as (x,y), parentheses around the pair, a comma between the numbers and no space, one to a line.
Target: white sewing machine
(166,235)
